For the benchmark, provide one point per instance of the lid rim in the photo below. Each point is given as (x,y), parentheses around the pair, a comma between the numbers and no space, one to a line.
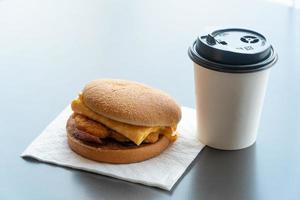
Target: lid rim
(233,68)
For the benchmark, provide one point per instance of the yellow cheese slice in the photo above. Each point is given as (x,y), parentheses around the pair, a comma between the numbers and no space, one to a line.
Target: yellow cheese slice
(137,134)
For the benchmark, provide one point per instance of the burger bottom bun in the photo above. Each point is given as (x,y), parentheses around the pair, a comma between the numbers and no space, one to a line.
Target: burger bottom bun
(114,152)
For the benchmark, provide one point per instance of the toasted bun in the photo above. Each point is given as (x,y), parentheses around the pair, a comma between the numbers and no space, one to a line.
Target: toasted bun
(114,152)
(131,102)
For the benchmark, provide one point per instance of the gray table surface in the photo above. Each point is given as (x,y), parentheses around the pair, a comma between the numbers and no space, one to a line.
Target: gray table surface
(51,48)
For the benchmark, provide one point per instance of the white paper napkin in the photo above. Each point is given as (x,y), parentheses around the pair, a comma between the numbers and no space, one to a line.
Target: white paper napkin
(162,171)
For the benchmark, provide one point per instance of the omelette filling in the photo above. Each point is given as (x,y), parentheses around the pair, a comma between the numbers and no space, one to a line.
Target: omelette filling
(100,127)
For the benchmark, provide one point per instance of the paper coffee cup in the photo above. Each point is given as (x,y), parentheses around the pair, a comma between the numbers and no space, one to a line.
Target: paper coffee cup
(231,70)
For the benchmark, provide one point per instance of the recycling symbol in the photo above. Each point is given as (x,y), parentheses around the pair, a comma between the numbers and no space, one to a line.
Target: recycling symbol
(249,39)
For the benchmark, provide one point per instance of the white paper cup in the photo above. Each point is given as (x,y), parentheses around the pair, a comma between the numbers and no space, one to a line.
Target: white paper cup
(229,100)
(229,106)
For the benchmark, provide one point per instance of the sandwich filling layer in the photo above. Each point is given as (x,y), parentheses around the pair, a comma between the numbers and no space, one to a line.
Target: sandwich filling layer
(103,127)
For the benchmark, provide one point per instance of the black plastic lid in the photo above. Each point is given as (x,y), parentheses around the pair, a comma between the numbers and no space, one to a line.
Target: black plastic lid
(233,50)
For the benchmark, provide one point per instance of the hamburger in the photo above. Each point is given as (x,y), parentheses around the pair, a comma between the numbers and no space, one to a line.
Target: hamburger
(120,121)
